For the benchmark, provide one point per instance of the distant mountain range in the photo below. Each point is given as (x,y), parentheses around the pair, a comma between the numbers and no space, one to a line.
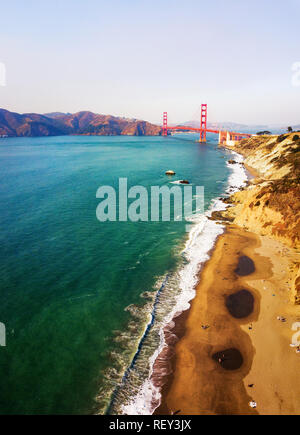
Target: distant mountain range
(81,123)
(242,128)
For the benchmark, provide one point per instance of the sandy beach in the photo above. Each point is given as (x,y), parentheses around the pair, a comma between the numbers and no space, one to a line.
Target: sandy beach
(228,356)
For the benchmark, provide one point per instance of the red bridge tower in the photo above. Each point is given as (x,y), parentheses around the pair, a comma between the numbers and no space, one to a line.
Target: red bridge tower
(203,123)
(165,124)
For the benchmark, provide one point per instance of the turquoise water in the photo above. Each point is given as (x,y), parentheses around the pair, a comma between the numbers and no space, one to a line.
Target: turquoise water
(66,278)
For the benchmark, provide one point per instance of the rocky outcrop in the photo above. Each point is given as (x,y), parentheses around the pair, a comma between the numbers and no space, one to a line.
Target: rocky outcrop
(81,123)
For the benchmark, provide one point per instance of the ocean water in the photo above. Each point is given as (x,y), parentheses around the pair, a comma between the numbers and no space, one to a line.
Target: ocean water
(84,302)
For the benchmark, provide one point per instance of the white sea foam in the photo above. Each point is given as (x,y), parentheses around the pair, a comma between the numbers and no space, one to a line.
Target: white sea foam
(202,238)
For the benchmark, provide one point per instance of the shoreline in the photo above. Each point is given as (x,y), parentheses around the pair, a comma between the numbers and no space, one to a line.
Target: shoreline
(192,325)
(163,365)
(197,251)
(265,347)
(266,378)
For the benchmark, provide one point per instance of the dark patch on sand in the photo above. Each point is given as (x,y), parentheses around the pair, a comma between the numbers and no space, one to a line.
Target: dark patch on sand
(229,359)
(245,267)
(240,304)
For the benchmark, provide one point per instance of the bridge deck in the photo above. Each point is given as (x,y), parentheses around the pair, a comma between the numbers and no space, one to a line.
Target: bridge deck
(198,130)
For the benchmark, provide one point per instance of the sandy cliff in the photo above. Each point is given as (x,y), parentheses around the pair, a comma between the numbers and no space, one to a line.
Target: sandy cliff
(270,205)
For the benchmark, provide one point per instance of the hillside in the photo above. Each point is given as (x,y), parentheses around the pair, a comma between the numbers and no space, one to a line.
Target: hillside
(270,205)
(273,198)
(81,123)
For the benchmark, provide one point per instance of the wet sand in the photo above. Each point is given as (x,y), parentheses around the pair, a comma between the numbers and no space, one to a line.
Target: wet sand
(245,266)
(232,349)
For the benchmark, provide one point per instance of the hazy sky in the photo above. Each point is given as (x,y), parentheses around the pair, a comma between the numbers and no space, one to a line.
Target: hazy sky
(138,58)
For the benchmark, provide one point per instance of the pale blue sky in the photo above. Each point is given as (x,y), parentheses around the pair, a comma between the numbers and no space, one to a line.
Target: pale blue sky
(138,58)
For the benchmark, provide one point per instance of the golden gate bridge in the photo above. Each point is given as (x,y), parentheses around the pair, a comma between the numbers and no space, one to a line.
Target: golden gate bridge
(225,137)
